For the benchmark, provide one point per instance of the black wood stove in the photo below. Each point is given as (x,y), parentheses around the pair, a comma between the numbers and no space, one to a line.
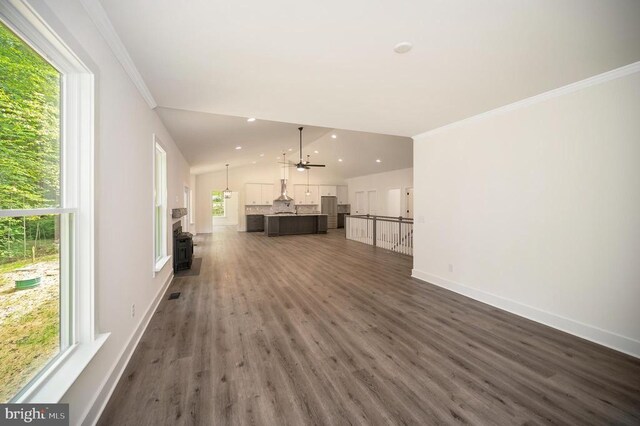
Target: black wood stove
(182,248)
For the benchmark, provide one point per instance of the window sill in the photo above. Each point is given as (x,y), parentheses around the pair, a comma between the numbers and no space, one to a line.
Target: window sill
(160,264)
(60,376)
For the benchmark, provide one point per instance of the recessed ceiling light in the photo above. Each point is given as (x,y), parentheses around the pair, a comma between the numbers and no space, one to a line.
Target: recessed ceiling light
(251,120)
(290,149)
(402,47)
(315,152)
(378,161)
(340,160)
(333,136)
(261,155)
(254,162)
(238,147)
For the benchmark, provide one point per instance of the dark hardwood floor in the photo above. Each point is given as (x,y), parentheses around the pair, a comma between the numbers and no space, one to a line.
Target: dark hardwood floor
(316,329)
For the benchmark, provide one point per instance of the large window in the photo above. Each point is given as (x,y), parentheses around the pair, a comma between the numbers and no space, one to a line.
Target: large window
(47,332)
(217,202)
(33,286)
(160,205)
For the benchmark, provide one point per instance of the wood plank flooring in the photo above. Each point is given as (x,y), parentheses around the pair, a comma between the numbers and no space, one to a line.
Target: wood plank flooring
(316,329)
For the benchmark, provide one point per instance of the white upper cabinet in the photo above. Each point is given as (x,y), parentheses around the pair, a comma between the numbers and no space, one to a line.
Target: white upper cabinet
(298,193)
(328,191)
(259,194)
(313,197)
(253,194)
(266,194)
(343,194)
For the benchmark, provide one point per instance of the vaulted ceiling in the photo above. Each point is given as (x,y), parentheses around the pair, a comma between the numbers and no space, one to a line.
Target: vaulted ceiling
(331,63)
(209,141)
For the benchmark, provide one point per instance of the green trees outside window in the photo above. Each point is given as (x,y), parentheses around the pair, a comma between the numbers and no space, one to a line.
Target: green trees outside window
(29,243)
(217,201)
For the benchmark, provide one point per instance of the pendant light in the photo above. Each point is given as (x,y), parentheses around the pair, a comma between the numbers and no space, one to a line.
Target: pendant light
(227,192)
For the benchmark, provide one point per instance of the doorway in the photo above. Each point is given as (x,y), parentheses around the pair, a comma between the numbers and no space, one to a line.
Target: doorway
(224,211)
(372,202)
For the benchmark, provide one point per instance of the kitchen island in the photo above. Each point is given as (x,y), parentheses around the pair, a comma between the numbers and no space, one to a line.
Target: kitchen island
(294,224)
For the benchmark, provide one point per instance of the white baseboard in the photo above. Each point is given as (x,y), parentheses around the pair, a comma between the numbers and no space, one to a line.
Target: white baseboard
(93,413)
(585,331)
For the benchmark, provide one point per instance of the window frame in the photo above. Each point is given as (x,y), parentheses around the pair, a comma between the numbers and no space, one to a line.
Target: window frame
(160,199)
(76,197)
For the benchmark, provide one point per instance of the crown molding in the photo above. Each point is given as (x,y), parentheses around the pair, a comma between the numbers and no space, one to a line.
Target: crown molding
(101,20)
(573,87)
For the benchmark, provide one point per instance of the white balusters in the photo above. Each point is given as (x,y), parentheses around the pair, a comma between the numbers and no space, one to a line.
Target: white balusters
(389,233)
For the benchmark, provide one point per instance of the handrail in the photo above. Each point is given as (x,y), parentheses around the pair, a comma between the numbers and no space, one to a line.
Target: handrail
(388,218)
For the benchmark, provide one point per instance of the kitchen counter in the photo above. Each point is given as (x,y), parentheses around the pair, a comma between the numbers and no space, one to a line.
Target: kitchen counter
(293,214)
(294,224)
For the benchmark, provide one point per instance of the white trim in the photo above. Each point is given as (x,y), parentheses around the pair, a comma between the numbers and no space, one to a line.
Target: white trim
(63,372)
(585,331)
(22,19)
(36,212)
(160,263)
(573,87)
(99,401)
(102,22)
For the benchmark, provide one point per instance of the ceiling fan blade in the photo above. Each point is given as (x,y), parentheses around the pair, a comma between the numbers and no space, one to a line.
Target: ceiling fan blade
(315,165)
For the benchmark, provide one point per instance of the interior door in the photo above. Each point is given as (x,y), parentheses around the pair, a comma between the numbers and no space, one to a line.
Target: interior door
(394,202)
(372,202)
(360,207)
(409,202)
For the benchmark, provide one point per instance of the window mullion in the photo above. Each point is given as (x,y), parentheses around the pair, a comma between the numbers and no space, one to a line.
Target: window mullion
(35,212)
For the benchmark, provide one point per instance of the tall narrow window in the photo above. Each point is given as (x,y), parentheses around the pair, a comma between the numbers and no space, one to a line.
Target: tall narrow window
(217,202)
(47,323)
(35,224)
(160,206)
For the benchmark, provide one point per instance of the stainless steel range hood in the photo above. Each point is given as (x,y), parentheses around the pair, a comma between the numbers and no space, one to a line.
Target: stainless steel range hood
(283,192)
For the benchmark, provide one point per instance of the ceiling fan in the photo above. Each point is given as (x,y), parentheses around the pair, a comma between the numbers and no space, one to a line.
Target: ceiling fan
(305,165)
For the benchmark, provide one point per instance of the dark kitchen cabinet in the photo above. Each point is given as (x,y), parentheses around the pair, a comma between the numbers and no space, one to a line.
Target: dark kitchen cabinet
(341,219)
(255,223)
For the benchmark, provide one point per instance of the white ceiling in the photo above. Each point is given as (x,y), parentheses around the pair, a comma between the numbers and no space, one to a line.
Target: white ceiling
(209,141)
(331,63)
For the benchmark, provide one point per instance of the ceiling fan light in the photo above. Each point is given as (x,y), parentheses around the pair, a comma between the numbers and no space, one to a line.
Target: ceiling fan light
(300,168)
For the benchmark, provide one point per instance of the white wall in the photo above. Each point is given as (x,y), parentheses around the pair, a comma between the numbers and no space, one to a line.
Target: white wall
(240,176)
(382,183)
(124,190)
(537,209)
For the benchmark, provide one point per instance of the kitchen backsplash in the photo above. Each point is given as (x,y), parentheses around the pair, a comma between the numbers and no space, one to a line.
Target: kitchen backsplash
(308,209)
(303,209)
(257,210)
